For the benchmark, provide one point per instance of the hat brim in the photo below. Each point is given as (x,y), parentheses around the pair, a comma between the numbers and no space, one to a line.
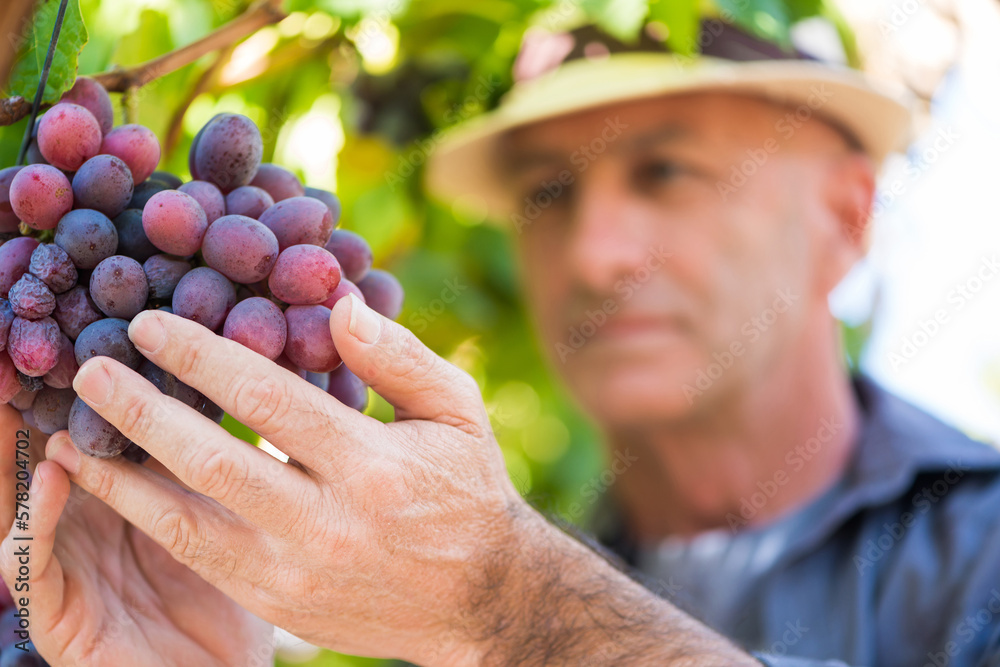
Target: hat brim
(463,167)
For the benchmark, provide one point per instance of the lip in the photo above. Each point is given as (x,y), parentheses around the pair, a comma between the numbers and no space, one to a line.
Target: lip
(629,327)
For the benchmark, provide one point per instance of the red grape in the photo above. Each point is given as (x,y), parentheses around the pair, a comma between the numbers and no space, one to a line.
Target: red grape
(9,384)
(40,195)
(208,196)
(68,136)
(61,375)
(53,266)
(258,324)
(93,434)
(33,345)
(15,259)
(310,343)
(278,181)
(51,409)
(89,94)
(163,272)
(118,287)
(299,220)
(304,275)
(137,146)
(353,253)
(205,296)
(23,399)
(103,183)
(348,388)
(328,198)
(228,151)
(31,299)
(75,311)
(249,201)
(240,248)
(343,289)
(383,293)
(174,222)
(6,319)
(8,219)
(87,237)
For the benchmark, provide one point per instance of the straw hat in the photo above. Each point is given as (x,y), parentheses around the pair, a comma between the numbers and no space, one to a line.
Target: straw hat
(559,74)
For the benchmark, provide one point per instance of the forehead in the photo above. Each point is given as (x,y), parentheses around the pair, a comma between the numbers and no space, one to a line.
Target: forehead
(709,117)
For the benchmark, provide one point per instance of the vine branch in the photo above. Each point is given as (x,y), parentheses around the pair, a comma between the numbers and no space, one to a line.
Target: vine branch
(118,80)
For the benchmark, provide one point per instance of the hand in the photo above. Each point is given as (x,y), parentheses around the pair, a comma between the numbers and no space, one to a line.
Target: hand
(101,592)
(379,540)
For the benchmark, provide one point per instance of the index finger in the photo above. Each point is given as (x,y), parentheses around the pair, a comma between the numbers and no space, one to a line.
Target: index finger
(297,417)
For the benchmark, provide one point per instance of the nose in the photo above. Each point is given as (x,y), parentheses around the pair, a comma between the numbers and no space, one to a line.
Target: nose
(608,234)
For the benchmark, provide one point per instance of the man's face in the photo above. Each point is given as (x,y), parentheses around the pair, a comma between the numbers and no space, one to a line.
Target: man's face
(674,249)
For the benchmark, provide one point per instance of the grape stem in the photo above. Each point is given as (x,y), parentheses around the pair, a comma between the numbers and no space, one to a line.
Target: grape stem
(119,80)
(42,80)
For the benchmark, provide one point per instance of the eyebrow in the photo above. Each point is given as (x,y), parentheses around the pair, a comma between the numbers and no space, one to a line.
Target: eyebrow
(516,161)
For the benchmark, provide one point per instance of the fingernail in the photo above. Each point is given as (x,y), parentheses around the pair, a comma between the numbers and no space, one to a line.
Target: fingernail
(364,324)
(147,332)
(61,450)
(93,383)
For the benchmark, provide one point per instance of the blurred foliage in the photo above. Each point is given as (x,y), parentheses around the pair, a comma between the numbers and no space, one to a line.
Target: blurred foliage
(352,94)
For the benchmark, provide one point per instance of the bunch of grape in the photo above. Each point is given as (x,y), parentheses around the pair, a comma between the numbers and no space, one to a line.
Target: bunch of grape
(16,649)
(95,236)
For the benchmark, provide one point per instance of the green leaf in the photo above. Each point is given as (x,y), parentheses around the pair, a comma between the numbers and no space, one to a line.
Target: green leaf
(27,71)
(620,18)
(683,20)
(768,19)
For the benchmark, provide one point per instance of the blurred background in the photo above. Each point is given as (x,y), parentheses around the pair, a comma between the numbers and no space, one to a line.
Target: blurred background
(352,94)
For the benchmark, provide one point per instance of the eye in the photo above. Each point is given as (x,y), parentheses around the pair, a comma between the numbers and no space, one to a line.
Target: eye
(658,172)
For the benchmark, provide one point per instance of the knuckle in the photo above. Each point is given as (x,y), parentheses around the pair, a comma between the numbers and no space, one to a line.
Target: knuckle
(191,360)
(177,532)
(102,483)
(218,476)
(261,401)
(135,418)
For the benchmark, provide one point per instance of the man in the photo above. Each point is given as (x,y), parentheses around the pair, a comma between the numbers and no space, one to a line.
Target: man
(798,512)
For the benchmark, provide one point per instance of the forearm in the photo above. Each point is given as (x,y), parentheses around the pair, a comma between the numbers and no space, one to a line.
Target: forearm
(558,602)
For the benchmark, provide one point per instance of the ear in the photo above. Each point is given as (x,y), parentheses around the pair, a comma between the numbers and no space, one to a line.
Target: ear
(850,190)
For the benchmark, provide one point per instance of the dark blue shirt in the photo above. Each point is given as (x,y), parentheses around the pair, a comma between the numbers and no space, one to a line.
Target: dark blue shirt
(898,565)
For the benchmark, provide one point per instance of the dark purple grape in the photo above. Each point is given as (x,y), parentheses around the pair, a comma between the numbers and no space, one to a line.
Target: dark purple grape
(310,343)
(159,378)
(299,220)
(92,96)
(31,299)
(278,181)
(6,319)
(54,267)
(29,383)
(118,287)
(383,293)
(34,153)
(249,201)
(40,195)
(51,409)
(93,434)
(204,296)
(319,380)
(135,454)
(304,275)
(75,310)
(173,182)
(23,399)
(353,253)
(62,374)
(212,411)
(228,151)
(240,248)
(143,192)
(107,338)
(258,324)
(193,151)
(33,345)
(348,388)
(132,240)
(163,272)
(15,260)
(103,183)
(136,146)
(287,364)
(9,384)
(87,237)
(68,136)
(174,222)
(343,289)
(19,658)
(8,219)
(208,196)
(328,198)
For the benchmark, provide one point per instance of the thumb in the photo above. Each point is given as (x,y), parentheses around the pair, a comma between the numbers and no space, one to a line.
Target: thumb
(401,369)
